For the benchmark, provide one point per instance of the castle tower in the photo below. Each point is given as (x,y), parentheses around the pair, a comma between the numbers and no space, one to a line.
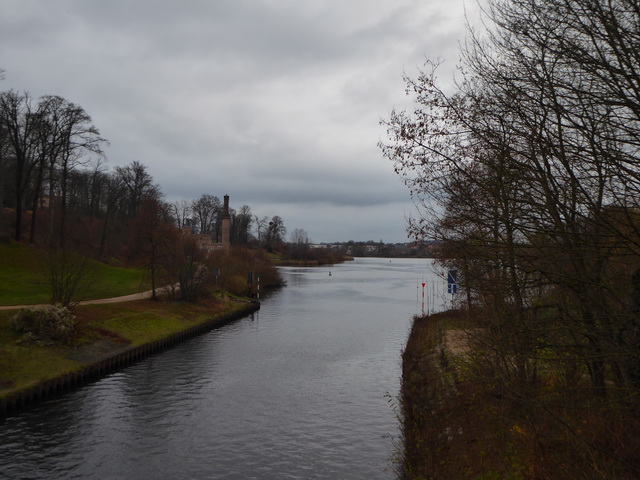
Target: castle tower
(226,225)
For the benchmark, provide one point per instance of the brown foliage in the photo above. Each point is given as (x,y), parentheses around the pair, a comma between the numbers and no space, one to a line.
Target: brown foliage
(236,265)
(460,422)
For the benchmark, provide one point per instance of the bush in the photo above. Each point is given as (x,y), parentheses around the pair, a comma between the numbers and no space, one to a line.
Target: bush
(235,266)
(45,325)
(70,276)
(237,285)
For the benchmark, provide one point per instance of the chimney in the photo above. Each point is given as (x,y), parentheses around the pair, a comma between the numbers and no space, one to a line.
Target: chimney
(226,225)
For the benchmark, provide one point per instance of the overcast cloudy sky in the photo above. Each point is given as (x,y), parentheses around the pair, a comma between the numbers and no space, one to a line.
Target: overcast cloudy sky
(274,102)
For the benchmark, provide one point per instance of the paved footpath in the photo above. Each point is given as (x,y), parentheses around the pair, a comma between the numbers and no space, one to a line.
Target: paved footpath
(125,298)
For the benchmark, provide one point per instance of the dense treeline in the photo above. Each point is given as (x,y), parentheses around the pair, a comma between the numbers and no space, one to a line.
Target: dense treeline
(56,192)
(52,166)
(527,176)
(42,145)
(54,187)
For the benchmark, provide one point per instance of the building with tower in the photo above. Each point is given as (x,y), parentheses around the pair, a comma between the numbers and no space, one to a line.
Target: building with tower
(226,225)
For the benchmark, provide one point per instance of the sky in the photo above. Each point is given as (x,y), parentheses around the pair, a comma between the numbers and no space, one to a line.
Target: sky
(276,103)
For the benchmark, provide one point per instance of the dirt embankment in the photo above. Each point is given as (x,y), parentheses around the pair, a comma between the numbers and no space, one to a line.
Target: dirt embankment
(450,430)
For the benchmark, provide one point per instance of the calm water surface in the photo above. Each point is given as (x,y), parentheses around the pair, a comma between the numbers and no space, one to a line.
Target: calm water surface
(303,389)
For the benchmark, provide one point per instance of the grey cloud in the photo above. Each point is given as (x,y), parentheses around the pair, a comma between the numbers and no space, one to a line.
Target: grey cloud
(276,102)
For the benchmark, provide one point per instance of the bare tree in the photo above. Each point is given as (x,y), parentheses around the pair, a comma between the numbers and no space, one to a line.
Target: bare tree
(241,225)
(4,173)
(261,225)
(299,237)
(205,212)
(276,231)
(70,276)
(190,267)
(137,185)
(527,175)
(115,191)
(182,211)
(154,238)
(19,117)
(72,137)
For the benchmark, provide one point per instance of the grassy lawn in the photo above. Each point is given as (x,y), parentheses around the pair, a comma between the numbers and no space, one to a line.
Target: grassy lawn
(145,321)
(24,280)
(102,330)
(25,365)
(123,324)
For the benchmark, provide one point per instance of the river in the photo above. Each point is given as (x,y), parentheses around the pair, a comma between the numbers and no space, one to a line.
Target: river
(306,388)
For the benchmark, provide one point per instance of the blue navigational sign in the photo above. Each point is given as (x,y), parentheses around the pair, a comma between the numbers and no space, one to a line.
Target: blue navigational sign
(452,281)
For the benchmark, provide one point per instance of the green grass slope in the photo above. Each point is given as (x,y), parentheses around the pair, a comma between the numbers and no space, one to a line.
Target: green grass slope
(24,277)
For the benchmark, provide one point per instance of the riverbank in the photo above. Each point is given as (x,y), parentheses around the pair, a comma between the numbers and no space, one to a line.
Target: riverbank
(312,263)
(461,422)
(453,426)
(110,336)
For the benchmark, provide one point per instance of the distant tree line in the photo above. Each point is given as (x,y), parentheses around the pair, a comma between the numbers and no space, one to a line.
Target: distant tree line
(204,216)
(372,248)
(56,192)
(527,176)
(42,146)
(52,169)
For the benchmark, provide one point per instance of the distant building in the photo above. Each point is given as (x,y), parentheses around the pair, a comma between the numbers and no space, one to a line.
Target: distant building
(205,241)
(226,225)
